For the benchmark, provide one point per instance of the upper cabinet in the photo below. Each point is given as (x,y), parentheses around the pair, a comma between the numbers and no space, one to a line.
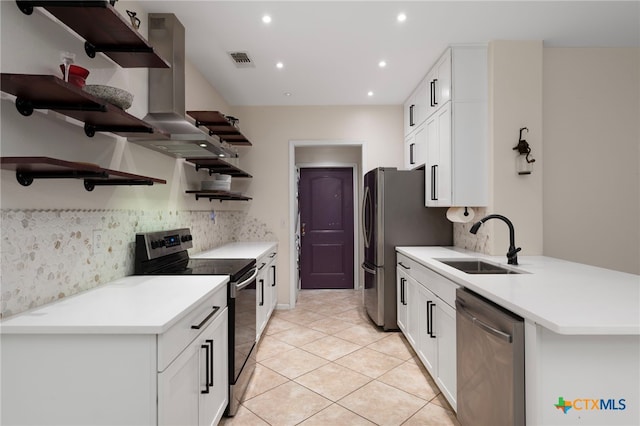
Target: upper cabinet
(104,30)
(456,128)
(415,108)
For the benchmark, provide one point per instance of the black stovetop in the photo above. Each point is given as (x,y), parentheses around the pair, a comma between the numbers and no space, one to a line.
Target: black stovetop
(235,268)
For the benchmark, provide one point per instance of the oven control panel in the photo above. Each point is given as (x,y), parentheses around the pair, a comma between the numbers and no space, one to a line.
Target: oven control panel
(151,245)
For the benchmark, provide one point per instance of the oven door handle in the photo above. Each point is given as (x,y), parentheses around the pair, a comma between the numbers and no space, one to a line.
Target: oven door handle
(248,281)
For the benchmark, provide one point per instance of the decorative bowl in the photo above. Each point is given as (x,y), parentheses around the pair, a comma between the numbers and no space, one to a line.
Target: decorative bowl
(77,74)
(118,97)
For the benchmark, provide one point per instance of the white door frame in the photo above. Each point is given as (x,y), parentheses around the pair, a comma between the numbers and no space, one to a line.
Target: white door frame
(293,207)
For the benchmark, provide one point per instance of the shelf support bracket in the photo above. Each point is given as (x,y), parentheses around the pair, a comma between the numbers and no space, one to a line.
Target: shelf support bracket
(25,177)
(26,107)
(91,129)
(91,49)
(90,184)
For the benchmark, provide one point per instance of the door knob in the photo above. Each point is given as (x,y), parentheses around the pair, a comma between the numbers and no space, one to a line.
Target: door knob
(302,230)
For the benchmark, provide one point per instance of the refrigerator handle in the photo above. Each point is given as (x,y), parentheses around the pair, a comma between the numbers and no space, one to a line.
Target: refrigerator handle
(368,269)
(366,235)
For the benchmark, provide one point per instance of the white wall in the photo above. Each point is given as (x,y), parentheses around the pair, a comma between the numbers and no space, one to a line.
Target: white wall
(592,156)
(270,130)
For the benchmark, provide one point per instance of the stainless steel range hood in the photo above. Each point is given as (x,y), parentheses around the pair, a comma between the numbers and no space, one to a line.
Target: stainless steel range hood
(167,97)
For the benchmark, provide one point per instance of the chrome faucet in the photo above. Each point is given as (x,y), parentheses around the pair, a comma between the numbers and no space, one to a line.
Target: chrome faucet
(512,254)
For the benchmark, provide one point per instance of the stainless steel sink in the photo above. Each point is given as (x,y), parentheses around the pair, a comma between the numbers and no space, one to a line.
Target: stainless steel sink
(477,266)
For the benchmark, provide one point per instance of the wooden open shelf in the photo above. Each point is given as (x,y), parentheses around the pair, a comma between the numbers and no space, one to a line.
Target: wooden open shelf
(218,125)
(218,195)
(216,165)
(104,30)
(29,168)
(34,91)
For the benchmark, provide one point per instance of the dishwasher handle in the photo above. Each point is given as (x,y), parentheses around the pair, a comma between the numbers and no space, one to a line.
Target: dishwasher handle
(460,308)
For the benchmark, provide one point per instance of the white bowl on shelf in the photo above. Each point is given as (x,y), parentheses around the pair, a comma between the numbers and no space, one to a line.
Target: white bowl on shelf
(215,185)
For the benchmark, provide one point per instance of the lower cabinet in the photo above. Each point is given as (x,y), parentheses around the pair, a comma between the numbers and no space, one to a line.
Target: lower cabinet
(266,294)
(427,317)
(193,389)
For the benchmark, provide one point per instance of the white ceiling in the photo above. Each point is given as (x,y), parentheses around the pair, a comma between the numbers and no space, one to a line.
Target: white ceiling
(331,49)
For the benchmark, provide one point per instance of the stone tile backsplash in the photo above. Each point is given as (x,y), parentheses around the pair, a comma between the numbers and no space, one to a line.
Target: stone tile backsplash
(50,254)
(464,239)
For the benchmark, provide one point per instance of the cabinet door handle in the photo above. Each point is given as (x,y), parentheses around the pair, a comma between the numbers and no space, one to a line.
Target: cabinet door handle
(411,123)
(204,321)
(411,161)
(402,291)
(261,266)
(274,275)
(432,89)
(435,98)
(207,372)
(434,186)
(430,306)
(211,383)
(272,255)
(261,292)
(403,265)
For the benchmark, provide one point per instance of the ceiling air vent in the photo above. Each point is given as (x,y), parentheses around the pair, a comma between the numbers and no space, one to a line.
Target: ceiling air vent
(241,59)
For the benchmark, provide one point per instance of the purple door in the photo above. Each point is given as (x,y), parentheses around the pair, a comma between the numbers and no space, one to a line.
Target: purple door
(326,222)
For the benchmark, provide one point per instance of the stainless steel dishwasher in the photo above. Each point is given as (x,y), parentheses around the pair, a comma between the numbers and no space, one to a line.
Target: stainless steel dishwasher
(490,362)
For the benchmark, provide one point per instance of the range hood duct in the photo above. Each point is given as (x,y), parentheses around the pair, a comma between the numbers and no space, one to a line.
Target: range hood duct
(167,110)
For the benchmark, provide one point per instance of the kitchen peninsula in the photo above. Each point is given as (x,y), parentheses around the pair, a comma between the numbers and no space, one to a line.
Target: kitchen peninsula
(582,332)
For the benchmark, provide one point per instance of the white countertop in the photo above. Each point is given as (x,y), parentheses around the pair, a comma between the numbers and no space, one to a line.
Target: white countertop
(132,305)
(239,250)
(565,297)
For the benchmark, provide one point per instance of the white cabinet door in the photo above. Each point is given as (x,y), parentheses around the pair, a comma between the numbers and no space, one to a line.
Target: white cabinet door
(401,299)
(438,162)
(262,304)
(427,344)
(442,85)
(412,295)
(215,398)
(415,108)
(273,287)
(415,147)
(193,389)
(445,331)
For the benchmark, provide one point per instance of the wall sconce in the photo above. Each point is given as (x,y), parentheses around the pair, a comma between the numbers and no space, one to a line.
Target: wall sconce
(524,163)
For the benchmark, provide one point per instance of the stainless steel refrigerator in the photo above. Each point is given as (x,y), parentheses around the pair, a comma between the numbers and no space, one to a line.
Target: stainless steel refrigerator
(394,214)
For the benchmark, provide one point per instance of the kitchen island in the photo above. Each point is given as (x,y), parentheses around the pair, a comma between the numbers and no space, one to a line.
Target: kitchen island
(582,333)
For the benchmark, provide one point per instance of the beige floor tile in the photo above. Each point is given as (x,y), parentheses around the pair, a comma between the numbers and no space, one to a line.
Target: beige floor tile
(277,324)
(294,363)
(269,346)
(287,404)
(433,415)
(330,347)
(333,381)
(330,325)
(263,379)
(382,404)
(300,316)
(355,316)
(369,362)
(298,336)
(243,417)
(335,415)
(363,334)
(441,401)
(410,378)
(393,344)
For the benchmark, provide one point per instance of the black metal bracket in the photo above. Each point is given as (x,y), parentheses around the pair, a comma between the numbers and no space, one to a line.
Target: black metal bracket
(26,107)
(91,129)
(25,177)
(26,6)
(91,49)
(90,184)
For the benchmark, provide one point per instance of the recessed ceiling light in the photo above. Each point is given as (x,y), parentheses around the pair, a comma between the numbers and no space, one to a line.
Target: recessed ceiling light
(220,155)
(369,93)
(382,64)
(204,145)
(402,17)
(266,19)
(287,93)
(279,65)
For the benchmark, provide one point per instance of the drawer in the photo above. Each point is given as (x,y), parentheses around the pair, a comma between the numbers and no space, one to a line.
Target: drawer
(442,287)
(178,337)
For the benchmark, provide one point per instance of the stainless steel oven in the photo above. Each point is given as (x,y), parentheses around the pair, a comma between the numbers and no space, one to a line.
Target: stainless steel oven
(165,253)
